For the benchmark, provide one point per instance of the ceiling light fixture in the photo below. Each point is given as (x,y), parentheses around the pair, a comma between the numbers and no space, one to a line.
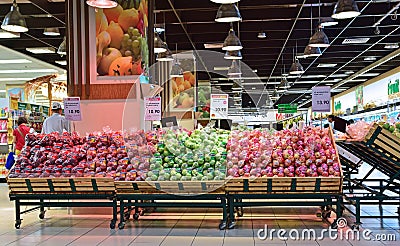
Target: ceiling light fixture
(319,39)
(233,55)
(102,4)
(15,61)
(159,46)
(62,63)
(5,34)
(165,56)
(327,21)
(391,46)
(224,1)
(312,51)
(228,13)
(176,70)
(51,31)
(234,69)
(14,22)
(62,49)
(345,9)
(41,50)
(261,35)
(232,42)
(296,68)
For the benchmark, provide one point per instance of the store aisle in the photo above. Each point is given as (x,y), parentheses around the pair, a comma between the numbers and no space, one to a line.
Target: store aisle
(175,227)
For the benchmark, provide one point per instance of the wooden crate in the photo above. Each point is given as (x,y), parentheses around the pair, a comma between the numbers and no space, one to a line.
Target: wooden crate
(384,142)
(276,185)
(61,185)
(170,187)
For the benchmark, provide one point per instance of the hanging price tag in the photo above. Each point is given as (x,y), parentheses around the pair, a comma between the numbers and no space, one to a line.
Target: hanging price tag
(219,106)
(152,108)
(72,108)
(321,99)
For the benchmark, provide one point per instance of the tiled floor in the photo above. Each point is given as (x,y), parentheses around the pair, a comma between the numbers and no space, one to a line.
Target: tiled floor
(177,227)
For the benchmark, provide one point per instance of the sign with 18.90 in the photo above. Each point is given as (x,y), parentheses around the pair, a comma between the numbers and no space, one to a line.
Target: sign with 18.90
(72,108)
(321,99)
(152,108)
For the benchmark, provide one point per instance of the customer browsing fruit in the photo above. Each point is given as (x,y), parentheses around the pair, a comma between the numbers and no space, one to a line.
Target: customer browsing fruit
(19,134)
(56,122)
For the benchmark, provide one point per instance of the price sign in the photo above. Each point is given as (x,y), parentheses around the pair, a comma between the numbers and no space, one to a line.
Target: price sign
(72,108)
(219,106)
(152,108)
(321,99)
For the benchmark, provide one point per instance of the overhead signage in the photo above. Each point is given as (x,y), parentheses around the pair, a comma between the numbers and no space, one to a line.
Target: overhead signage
(219,106)
(321,99)
(287,108)
(72,108)
(152,108)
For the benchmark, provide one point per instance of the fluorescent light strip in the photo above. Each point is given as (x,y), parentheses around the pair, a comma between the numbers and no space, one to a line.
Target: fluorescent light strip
(41,50)
(221,68)
(369,74)
(327,65)
(63,63)
(306,82)
(15,79)
(15,61)
(29,71)
(5,34)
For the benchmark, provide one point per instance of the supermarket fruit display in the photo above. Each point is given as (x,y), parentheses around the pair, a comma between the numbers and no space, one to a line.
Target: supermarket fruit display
(288,153)
(180,155)
(190,156)
(120,38)
(394,128)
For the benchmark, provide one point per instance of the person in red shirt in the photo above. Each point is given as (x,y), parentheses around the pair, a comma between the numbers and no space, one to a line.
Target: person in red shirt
(19,134)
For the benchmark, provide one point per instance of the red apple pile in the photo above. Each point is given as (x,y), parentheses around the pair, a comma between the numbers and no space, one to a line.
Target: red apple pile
(287,153)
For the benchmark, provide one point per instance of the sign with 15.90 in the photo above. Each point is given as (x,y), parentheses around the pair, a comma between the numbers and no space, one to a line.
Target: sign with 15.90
(72,108)
(321,99)
(152,108)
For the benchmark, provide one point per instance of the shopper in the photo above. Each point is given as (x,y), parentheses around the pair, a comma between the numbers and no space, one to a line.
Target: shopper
(56,122)
(19,134)
(331,119)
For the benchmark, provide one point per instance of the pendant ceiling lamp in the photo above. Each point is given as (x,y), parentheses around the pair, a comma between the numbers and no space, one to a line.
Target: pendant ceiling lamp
(228,13)
(319,39)
(102,4)
(232,42)
(234,69)
(312,51)
(159,45)
(345,9)
(233,55)
(224,1)
(165,56)
(296,68)
(284,83)
(14,22)
(176,70)
(62,49)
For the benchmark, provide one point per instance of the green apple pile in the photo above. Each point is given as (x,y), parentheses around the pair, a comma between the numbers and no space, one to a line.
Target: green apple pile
(197,155)
(393,128)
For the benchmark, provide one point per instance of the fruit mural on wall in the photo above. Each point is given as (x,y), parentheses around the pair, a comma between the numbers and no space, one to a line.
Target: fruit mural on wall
(121,43)
(184,88)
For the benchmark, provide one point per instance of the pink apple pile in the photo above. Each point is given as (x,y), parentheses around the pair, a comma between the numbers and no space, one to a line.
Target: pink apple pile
(288,153)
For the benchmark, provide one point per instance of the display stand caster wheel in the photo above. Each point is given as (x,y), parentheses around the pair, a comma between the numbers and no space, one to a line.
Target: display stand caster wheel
(222,225)
(231,225)
(112,224)
(136,216)
(121,225)
(355,227)
(41,215)
(18,224)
